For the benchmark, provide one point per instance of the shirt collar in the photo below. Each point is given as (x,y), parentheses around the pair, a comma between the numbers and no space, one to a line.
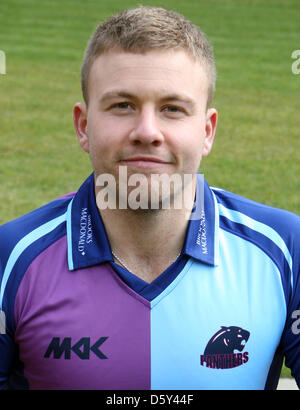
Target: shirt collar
(202,235)
(87,239)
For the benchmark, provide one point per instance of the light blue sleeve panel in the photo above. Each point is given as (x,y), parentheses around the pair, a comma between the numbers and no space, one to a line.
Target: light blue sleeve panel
(218,327)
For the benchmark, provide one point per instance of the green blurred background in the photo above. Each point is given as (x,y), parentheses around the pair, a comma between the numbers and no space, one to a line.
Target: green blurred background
(257,146)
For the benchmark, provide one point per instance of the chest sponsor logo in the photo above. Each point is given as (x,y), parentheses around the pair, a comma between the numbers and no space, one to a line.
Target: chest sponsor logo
(82,348)
(222,350)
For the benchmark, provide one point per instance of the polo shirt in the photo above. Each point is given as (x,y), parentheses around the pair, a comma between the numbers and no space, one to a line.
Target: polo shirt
(222,316)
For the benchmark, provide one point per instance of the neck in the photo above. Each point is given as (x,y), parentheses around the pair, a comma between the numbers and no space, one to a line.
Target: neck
(147,241)
(145,233)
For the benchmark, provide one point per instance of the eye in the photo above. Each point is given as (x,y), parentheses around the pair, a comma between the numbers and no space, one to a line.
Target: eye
(173,108)
(120,108)
(122,105)
(173,111)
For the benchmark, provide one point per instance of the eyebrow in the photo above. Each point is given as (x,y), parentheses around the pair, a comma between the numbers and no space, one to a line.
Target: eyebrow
(114,94)
(165,98)
(180,98)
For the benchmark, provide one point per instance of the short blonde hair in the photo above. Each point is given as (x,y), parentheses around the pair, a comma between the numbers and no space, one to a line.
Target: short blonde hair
(146,28)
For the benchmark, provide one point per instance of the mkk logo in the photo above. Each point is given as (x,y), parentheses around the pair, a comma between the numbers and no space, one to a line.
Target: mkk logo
(220,350)
(82,348)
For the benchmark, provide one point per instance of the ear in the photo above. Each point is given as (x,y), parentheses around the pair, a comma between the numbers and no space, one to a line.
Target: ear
(210,130)
(80,124)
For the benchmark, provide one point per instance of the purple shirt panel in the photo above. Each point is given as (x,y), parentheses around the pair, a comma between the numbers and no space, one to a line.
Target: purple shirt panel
(82,329)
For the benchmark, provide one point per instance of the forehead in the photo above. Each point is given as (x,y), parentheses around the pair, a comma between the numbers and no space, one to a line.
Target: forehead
(152,73)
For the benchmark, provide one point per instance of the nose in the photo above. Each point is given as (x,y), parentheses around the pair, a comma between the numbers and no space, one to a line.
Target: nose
(146,129)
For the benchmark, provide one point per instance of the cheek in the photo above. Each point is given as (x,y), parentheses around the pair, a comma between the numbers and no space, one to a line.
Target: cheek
(106,132)
(98,147)
(103,150)
(192,146)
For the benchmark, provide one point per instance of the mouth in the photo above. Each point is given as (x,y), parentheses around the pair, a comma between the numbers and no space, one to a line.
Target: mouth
(243,339)
(144,162)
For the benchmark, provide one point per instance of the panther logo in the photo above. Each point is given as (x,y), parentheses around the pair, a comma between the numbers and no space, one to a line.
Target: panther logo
(227,340)
(220,351)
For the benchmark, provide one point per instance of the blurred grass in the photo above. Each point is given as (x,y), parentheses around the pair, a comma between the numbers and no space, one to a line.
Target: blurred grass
(257,147)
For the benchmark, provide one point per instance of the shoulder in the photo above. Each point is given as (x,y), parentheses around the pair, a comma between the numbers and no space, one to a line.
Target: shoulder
(274,231)
(22,240)
(35,223)
(257,215)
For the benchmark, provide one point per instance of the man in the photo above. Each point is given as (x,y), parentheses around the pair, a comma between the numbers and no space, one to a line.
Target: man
(103,290)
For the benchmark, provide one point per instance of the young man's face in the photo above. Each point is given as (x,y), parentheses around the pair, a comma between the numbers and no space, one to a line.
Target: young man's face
(147,112)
